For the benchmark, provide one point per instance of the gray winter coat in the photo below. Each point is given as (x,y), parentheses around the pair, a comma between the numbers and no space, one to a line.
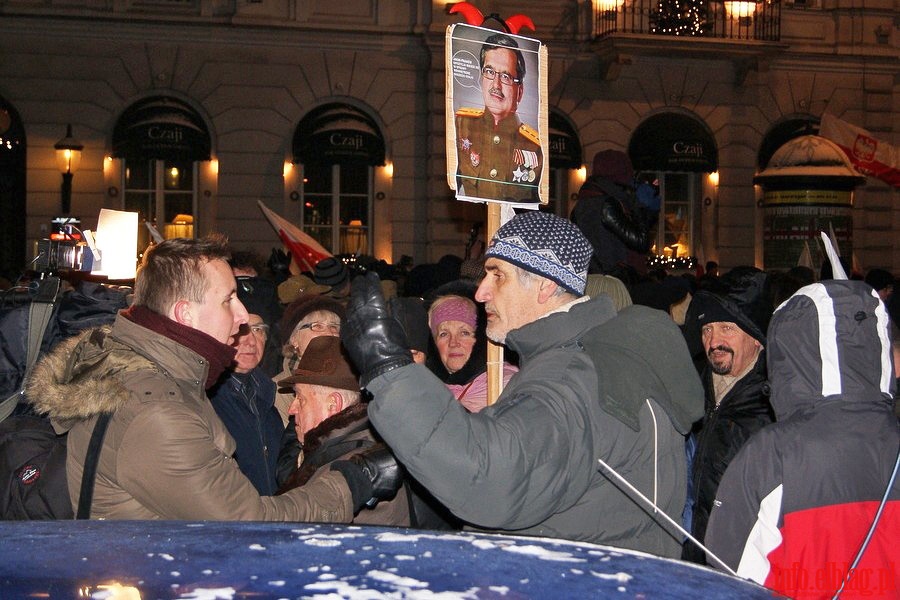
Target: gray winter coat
(528,464)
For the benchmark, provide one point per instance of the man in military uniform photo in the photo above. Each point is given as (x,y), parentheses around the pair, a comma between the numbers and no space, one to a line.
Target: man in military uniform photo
(499,156)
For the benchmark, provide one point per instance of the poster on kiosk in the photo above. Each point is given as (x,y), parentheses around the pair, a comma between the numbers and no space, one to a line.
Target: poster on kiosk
(497,132)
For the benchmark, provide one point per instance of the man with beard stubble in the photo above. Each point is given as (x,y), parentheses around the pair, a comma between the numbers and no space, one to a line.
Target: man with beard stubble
(736,391)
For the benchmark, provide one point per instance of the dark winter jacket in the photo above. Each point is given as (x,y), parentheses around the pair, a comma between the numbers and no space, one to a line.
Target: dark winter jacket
(166,454)
(528,463)
(743,411)
(795,504)
(610,218)
(88,305)
(246,404)
(339,437)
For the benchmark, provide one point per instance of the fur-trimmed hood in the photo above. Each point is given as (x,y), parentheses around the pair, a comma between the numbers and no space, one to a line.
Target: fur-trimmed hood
(85,375)
(79,378)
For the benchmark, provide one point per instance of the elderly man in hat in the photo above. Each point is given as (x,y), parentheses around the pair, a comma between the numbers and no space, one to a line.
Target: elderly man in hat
(732,326)
(331,424)
(528,463)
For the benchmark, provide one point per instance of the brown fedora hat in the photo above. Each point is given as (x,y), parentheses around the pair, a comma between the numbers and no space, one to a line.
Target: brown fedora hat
(324,363)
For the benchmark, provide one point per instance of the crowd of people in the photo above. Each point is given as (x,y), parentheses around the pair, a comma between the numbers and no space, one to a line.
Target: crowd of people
(755,409)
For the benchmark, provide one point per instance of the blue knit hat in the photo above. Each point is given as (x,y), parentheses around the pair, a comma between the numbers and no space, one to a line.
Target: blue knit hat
(546,245)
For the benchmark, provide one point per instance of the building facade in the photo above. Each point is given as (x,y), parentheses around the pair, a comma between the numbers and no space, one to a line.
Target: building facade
(332,114)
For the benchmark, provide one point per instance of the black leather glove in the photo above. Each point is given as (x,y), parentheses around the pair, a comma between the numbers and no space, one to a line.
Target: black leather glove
(280,264)
(372,337)
(372,475)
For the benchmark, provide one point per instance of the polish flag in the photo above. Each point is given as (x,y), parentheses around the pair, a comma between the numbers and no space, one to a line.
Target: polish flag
(869,155)
(305,251)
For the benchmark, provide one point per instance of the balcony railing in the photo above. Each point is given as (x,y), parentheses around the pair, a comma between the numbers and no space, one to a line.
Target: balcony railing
(729,19)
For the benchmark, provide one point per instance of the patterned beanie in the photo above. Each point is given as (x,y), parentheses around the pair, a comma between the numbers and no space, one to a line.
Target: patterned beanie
(546,245)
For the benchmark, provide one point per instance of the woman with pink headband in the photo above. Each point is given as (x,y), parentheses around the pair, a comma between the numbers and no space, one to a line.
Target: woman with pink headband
(458,334)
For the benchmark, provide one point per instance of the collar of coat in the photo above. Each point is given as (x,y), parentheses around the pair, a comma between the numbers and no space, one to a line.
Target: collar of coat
(333,429)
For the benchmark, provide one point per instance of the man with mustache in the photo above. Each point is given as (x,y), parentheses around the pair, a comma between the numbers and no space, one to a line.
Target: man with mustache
(737,403)
(499,156)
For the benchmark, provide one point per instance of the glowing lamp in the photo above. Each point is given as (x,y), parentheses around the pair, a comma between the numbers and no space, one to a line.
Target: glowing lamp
(68,157)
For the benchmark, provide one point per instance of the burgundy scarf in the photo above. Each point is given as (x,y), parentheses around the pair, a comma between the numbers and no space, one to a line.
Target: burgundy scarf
(218,355)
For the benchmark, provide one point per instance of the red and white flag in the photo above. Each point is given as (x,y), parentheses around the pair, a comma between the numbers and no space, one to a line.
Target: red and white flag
(305,250)
(870,156)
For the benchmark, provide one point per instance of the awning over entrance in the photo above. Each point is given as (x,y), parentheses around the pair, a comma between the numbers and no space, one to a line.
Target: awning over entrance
(161,128)
(673,142)
(565,147)
(338,133)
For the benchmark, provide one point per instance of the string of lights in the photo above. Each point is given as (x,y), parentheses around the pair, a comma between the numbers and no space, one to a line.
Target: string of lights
(671,262)
(680,17)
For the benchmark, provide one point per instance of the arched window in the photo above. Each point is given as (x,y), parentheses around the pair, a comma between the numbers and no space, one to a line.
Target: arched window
(338,146)
(12,191)
(671,151)
(160,140)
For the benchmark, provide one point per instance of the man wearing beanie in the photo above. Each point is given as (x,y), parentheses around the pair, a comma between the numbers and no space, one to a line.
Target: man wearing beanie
(166,454)
(334,274)
(735,385)
(529,463)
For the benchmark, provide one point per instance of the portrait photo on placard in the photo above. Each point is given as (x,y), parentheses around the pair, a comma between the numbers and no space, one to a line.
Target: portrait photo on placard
(496,133)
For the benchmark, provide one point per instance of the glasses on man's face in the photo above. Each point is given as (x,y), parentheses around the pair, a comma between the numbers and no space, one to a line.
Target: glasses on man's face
(505,78)
(321,327)
(260,329)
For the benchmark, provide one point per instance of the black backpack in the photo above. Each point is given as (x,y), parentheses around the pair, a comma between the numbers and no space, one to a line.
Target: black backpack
(33,469)
(32,455)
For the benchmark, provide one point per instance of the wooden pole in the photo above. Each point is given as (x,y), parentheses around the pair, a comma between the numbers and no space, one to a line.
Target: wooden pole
(494,351)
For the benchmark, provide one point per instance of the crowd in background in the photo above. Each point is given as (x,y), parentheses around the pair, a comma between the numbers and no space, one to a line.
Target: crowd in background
(295,402)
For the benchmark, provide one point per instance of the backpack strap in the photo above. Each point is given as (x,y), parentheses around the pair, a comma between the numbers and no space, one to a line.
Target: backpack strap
(39,313)
(89,475)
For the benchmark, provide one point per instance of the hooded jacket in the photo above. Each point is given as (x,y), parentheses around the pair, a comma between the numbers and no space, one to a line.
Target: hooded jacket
(610,218)
(166,454)
(528,463)
(794,506)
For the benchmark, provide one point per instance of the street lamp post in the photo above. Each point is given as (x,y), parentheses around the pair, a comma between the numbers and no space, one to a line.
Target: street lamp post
(68,157)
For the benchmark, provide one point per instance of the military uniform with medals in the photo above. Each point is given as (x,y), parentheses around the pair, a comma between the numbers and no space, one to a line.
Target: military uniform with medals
(502,162)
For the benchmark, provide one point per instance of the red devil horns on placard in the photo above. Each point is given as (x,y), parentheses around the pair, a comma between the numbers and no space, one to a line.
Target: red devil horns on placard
(473,16)
(517,22)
